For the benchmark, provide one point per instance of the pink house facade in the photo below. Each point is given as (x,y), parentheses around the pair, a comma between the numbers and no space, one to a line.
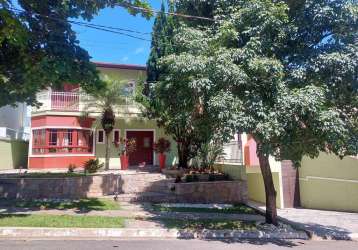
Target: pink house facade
(60,135)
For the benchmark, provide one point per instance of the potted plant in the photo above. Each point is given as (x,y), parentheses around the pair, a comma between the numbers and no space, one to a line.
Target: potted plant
(126,147)
(160,147)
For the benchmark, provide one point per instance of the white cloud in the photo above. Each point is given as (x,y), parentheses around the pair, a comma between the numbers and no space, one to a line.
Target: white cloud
(139,50)
(125,59)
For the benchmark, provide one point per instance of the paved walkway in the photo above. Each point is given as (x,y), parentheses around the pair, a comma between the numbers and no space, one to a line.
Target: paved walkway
(320,223)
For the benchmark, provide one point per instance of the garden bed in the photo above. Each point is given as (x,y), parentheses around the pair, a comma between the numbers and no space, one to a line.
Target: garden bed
(235,209)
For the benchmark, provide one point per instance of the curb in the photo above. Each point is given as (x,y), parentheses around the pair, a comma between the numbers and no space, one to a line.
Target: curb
(143,233)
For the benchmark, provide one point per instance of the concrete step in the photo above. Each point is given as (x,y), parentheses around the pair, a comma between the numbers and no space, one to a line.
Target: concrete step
(144,182)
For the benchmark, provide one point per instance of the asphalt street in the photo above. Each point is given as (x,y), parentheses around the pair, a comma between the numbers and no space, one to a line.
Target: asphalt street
(65,244)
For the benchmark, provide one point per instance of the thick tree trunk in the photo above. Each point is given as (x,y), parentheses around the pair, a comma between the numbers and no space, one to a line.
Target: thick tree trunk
(183,156)
(106,163)
(271,211)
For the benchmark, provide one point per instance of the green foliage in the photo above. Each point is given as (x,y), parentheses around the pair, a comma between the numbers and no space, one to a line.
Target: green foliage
(208,154)
(92,166)
(174,97)
(162,146)
(285,73)
(38,47)
(107,101)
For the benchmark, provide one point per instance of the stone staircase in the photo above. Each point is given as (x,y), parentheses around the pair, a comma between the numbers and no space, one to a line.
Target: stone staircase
(145,187)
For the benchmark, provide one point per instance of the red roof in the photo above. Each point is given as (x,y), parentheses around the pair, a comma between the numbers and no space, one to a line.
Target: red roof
(120,66)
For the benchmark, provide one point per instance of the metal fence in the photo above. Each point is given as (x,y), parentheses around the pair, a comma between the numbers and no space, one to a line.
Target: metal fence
(232,153)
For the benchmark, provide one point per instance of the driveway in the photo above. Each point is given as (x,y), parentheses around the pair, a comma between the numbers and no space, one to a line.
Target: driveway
(320,223)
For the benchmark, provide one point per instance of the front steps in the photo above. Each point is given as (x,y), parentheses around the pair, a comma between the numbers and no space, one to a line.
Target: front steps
(145,187)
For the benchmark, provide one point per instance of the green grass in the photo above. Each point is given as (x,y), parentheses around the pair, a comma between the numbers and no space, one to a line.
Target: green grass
(213,224)
(24,220)
(81,204)
(236,209)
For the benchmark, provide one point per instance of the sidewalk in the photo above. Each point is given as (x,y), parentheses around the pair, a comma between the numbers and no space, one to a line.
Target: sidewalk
(320,224)
(141,221)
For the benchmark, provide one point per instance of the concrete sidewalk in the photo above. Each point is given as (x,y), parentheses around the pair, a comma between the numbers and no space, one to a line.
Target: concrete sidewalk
(320,224)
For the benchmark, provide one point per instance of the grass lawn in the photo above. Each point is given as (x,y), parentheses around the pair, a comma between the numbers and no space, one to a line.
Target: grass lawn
(236,209)
(81,204)
(214,224)
(24,220)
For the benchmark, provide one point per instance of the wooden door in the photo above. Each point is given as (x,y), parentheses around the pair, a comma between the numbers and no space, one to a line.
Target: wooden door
(143,154)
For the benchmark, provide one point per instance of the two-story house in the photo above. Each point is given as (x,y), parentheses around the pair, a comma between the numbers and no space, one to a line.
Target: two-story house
(61,135)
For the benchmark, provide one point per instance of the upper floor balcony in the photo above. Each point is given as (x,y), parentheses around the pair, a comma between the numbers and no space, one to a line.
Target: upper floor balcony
(77,101)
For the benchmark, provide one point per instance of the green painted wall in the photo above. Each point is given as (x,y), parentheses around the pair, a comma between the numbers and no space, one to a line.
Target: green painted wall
(123,74)
(329,183)
(132,122)
(256,187)
(135,123)
(255,183)
(236,172)
(13,154)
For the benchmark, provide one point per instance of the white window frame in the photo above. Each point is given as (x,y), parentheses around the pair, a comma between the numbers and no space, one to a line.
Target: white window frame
(119,133)
(97,136)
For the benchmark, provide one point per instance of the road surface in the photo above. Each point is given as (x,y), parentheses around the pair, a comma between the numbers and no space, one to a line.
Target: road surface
(75,244)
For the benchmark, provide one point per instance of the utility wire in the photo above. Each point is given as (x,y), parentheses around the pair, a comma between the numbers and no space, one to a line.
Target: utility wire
(146,10)
(92,26)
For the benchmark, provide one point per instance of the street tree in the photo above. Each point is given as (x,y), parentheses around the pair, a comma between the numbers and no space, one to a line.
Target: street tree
(284,72)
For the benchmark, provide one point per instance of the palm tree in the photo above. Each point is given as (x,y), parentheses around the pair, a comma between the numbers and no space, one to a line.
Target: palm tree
(106,101)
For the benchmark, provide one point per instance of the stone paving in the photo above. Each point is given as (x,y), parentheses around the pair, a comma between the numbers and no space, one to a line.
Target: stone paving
(320,223)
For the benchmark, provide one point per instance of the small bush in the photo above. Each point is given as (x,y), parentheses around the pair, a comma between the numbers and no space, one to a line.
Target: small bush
(92,166)
(191,178)
(177,179)
(71,168)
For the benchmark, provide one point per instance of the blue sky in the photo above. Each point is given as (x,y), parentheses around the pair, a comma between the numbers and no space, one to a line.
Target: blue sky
(108,47)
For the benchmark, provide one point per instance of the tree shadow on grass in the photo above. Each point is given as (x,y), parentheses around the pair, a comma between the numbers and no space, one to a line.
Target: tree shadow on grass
(80,205)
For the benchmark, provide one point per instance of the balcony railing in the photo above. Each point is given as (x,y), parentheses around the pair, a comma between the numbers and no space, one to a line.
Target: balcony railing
(77,102)
(232,153)
(68,101)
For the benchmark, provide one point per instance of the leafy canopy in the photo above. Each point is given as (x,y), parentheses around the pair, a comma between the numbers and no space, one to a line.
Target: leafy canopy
(38,47)
(284,71)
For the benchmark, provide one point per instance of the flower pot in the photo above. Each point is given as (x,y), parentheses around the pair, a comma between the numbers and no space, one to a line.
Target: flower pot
(124,162)
(162,157)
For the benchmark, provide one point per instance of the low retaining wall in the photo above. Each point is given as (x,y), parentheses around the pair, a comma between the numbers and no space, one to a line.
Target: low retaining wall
(212,192)
(64,188)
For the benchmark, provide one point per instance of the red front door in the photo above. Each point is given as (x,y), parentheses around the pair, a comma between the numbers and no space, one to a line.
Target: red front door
(143,154)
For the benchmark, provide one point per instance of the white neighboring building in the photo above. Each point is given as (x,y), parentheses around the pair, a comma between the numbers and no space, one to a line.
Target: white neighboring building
(15,122)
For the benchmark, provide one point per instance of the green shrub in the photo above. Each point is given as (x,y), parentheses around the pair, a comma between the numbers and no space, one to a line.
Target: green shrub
(191,178)
(92,166)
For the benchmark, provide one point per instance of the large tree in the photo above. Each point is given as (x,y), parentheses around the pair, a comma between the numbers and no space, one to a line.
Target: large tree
(284,72)
(38,47)
(172,97)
